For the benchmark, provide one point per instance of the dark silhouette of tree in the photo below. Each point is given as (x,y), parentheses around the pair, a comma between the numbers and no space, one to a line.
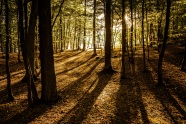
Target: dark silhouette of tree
(163,47)
(32,93)
(9,92)
(123,40)
(108,66)
(48,77)
(144,63)
(131,33)
(84,38)
(94,28)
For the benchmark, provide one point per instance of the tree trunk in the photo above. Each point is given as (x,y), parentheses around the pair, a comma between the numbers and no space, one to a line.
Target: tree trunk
(108,66)
(147,38)
(9,92)
(94,28)
(131,33)
(48,77)
(61,33)
(161,55)
(18,39)
(31,44)
(79,35)
(142,33)
(84,39)
(1,40)
(123,75)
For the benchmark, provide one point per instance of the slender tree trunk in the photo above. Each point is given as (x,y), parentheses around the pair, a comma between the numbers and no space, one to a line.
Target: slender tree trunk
(135,25)
(24,36)
(30,35)
(1,40)
(123,75)
(30,45)
(147,38)
(131,33)
(142,33)
(84,39)
(18,39)
(161,55)
(94,28)
(9,92)
(48,77)
(61,33)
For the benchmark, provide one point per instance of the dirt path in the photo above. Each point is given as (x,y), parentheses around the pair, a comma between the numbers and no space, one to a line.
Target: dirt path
(88,96)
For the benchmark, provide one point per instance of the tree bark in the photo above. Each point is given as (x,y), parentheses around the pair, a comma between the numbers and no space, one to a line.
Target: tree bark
(84,38)
(131,33)
(123,75)
(9,92)
(108,66)
(161,55)
(48,77)
(94,28)
(142,33)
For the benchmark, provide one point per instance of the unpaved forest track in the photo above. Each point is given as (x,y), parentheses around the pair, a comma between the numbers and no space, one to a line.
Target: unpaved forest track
(88,96)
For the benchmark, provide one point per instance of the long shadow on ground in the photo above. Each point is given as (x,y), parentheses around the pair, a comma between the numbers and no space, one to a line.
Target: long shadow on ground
(174,86)
(81,110)
(27,115)
(58,73)
(166,99)
(129,103)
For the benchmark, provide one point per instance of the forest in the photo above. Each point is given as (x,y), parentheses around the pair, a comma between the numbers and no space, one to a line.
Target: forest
(92,61)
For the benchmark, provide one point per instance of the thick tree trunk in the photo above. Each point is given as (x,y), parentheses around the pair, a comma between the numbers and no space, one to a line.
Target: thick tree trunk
(108,66)
(161,55)
(48,77)
(9,92)
(123,75)
(94,28)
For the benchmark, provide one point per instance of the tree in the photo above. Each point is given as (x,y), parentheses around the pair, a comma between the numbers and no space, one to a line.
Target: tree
(32,93)
(84,39)
(123,40)
(10,96)
(108,66)
(161,55)
(1,36)
(131,32)
(94,28)
(48,77)
(144,63)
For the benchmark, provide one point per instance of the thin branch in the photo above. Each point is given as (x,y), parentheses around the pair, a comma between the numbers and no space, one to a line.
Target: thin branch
(58,13)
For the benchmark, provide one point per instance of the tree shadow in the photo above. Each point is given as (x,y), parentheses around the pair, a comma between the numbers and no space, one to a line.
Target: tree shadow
(61,58)
(83,107)
(27,115)
(75,66)
(172,85)
(17,89)
(174,55)
(129,103)
(166,99)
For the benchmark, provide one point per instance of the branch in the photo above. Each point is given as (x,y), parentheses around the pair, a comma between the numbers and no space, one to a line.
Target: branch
(58,13)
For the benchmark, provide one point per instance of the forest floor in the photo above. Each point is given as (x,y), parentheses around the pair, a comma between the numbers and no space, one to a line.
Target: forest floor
(90,97)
